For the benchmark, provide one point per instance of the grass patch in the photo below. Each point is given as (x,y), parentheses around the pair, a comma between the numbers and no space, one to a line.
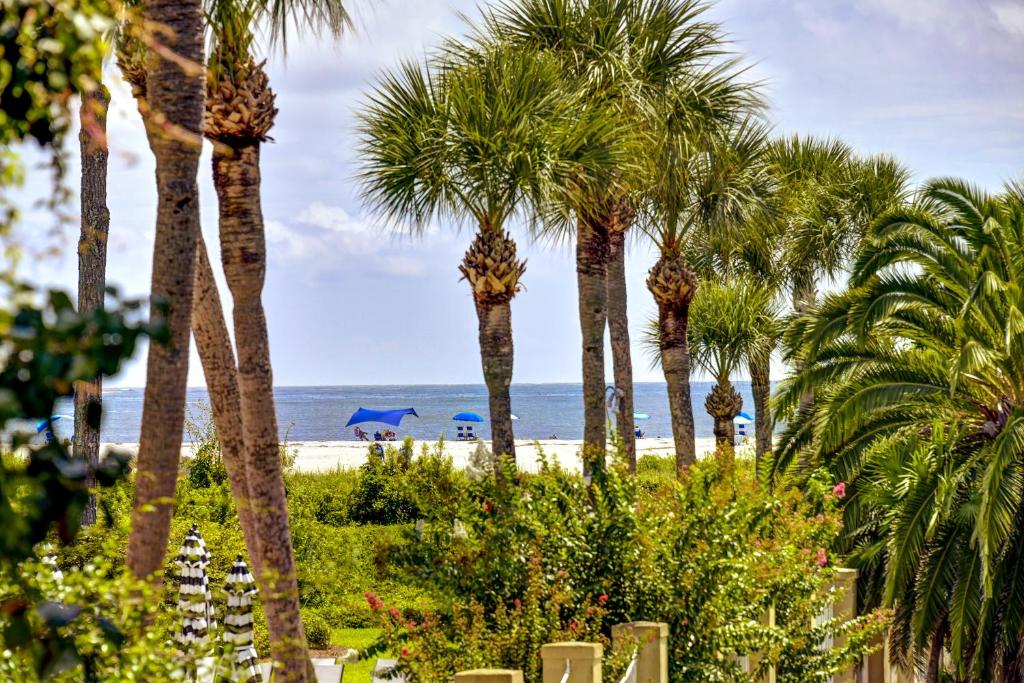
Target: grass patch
(360,639)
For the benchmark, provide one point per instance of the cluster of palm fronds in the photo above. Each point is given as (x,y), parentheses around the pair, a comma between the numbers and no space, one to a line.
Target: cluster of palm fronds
(917,374)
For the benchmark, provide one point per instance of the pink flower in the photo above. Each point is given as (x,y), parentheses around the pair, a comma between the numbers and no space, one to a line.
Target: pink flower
(822,557)
(574,626)
(517,602)
(488,506)
(395,614)
(373,600)
(819,517)
(406,652)
(410,625)
(602,599)
(840,490)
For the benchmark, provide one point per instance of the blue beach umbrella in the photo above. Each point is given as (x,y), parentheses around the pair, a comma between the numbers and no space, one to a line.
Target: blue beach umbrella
(641,416)
(743,417)
(467,417)
(391,417)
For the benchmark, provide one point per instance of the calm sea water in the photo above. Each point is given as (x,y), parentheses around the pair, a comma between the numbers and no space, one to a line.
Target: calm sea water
(320,413)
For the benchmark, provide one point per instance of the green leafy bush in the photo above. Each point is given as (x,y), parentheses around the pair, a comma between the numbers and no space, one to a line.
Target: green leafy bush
(318,633)
(709,556)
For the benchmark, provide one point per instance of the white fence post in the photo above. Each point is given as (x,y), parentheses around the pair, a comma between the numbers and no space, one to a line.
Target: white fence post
(582,662)
(652,656)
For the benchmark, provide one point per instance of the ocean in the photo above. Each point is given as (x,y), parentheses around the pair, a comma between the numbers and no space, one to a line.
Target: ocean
(320,413)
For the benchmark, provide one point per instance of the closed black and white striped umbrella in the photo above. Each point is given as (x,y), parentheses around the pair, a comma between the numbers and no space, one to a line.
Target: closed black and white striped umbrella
(238,639)
(195,601)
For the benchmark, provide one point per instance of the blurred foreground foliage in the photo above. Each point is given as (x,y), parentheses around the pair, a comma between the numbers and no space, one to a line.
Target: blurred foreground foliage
(46,346)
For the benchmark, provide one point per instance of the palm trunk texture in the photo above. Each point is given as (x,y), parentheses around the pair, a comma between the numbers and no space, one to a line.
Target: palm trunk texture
(761,388)
(218,358)
(236,177)
(675,361)
(175,102)
(618,331)
(92,273)
(496,353)
(592,278)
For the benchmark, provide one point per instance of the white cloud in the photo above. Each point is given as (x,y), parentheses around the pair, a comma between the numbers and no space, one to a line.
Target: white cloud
(1011,16)
(326,238)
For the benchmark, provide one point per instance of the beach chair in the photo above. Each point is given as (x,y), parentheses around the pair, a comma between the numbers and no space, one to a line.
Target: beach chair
(638,434)
(460,433)
(377,436)
(469,433)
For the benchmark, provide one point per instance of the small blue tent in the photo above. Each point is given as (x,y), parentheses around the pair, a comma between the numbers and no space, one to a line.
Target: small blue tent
(391,417)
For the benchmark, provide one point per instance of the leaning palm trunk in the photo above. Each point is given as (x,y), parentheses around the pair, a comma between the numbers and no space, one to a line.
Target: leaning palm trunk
(175,101)
(92,272)
(618,331)
(761,388)
(239,113)
(218,359)
(723,404)
(236,177)
(592,275)
(674,285)
(493,270)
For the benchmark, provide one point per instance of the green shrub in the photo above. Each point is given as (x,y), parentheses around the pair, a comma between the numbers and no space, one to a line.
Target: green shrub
(708,556)
(318,633)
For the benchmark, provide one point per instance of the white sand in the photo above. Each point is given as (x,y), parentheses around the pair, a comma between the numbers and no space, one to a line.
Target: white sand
(319,456)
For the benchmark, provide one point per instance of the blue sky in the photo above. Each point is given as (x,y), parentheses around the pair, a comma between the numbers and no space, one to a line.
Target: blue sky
(938,83)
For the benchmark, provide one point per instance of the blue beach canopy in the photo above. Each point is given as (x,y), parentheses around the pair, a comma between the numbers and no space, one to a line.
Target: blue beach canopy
(641,416)
(391,417)
(467,417)
(745,416)
(42,424)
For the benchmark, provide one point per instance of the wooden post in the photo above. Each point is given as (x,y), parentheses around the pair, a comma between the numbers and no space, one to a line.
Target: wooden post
(845,608)
(584,660)
(490,676)
(651,638)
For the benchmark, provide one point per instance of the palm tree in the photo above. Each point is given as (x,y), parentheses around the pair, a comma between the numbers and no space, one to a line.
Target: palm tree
(240,111)
(826,199)
(919,369)
(732,320)
(621,55)
(712,181)
(482,133)
(174,101)
(92,271)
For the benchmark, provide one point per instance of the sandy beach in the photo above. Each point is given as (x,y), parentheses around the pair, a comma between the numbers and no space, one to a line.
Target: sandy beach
(319,456)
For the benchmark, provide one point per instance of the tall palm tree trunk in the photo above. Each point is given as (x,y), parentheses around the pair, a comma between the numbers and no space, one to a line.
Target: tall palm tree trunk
(236,176)
(592,278)
(218,358)
(675,362)
(92,272)
(761,388)
(493,270)
(618,331)
(175,102)
(496,354)
(674,285)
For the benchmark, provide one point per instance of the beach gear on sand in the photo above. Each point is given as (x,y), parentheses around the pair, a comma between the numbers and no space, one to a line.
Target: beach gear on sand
(391,417)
